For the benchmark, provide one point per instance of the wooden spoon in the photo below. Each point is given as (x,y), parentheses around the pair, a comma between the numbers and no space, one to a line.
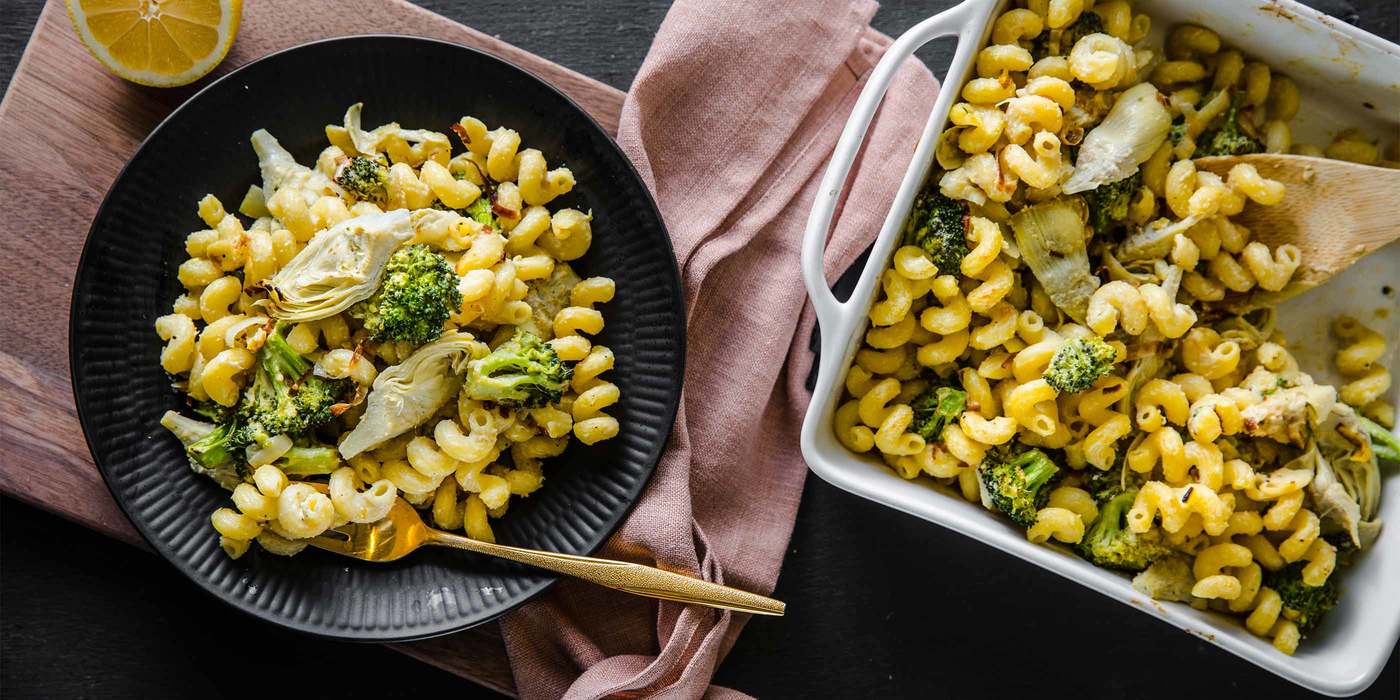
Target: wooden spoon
(1335,211)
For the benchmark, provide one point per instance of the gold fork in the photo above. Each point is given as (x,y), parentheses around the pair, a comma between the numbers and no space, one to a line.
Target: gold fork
(403,531)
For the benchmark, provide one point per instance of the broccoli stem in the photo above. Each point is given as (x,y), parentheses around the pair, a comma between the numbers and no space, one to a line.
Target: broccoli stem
(1111,514)
(309,461)
(278,355)
(1384,444)
(1038,470)
(187,430)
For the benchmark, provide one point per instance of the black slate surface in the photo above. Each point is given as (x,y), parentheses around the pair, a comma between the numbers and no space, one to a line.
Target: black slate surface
(880,604)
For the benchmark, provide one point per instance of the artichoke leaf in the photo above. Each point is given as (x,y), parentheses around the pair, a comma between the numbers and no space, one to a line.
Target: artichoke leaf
(1051,238)
(281,171)
(1343,439)
(547,297)
(409,393)
(371,142)
(1331,500)
(1153,241)
(1135,128)
(338,267)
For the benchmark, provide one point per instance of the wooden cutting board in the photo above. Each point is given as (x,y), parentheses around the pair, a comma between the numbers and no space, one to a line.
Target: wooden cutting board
(69,126)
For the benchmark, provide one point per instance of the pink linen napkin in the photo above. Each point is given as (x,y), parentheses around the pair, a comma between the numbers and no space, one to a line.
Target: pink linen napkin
(730,121)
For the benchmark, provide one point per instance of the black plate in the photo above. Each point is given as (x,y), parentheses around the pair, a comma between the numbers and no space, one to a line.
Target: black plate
(126,278)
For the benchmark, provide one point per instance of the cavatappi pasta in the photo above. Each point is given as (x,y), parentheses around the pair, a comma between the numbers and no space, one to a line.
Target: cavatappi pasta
(1073,332)
(393,320)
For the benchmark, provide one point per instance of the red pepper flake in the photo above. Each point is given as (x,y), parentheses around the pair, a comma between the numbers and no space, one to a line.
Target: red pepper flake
(503,211)
(461,132)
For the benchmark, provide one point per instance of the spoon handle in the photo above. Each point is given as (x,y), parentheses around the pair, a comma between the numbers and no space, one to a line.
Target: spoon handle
(637,579)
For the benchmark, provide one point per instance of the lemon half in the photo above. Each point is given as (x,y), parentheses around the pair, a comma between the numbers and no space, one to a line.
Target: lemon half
(162,43)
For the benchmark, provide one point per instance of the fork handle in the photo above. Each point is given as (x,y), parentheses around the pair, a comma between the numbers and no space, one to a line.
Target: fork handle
(623,576)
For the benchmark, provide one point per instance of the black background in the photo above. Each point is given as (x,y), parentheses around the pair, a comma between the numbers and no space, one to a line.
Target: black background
(880,603)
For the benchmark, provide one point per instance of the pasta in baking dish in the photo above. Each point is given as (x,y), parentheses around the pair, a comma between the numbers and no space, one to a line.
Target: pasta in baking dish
(1074,332)
(392,320)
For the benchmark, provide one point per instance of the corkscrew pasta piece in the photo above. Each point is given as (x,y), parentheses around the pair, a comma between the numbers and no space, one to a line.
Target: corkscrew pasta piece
(1099,447)
(1016,25)
(1209,570)
(178,332)
(223,375)
(1160,401)
(303,512)
(1075,500)
(1366,380)
(1103,61)
(1060,523)
(356,506)
(592,425)
(1176,506)
(569,326)
(1024,404)
(256,503)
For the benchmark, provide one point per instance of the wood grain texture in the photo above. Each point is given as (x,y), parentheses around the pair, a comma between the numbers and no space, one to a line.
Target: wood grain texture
(73,127)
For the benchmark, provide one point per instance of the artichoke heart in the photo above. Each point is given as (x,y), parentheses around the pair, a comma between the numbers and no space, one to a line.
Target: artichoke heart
(1051,239)
(547,297)
(407,394)
(1135,128)
(339,267)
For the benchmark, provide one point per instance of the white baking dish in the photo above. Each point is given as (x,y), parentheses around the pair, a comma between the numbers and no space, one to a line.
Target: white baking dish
(1348,78)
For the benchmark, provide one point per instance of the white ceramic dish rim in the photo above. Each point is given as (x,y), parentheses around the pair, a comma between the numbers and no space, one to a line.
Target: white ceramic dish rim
(842,324)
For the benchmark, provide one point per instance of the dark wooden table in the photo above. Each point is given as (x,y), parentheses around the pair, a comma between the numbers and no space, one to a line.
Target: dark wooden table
(880,604)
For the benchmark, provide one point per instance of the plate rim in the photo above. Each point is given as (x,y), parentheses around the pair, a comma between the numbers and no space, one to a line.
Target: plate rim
(670,412)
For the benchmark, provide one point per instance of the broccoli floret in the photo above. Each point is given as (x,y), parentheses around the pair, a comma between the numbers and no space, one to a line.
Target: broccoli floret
(285,398)
(1017,483)
(1384,444)
(939,226)
(479,211)
(213,411)
(1177,132)
(365,178)
(1341,539)
(215,450)
(416,297)
(1088,23)
(1109,543)
(1229,138)
(1308,603)
(309,461)
(1168,578)
(524,372)
(1104,485)
(1078,362)
(935,408)
(1109,203)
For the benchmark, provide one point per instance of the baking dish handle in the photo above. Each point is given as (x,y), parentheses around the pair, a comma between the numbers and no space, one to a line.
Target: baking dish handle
(830,312)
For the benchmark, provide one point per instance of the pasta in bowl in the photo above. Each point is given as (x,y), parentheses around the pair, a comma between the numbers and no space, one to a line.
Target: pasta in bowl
(1070,330)
(136,265)
(397,319)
